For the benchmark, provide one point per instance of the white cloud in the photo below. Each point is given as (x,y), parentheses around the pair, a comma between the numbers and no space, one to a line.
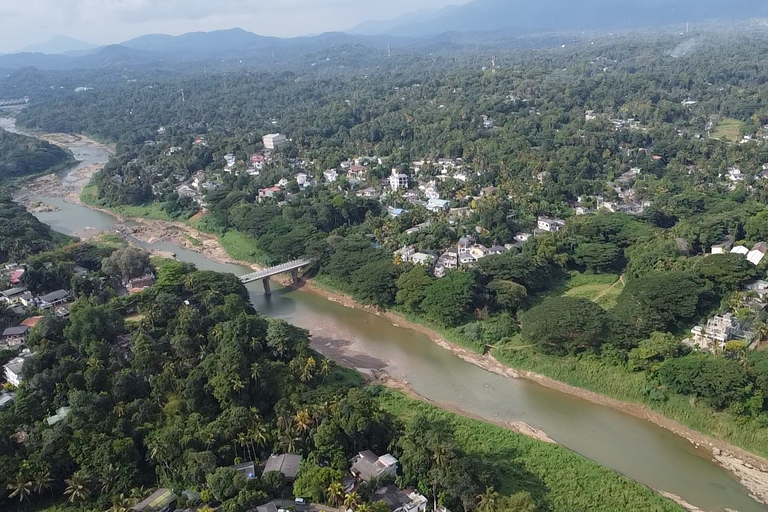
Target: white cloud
(111,21)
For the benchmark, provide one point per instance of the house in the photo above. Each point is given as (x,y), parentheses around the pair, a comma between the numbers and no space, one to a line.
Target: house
(12,295)
(15,335)
(248,469)
(53,299)
(581,210)
(274,140)
(523,237)
(756,255)
(424,259)
(367,467)
(31,322)
(479,251)
(465,243)
(287,464)
(12,369)
(268,192)
(331,175)
(467,259)
(398,180)
(405,253)
(722,248)
(230,158)
(268,507)
(140,284)
(438,205)
(396,212)
(497,249)
(759,287)
(551,225)
(6,398)
(301,179)
(740,249)
(357,172)
(399,500)
(159,501)
(719,330)
(368,193)
(61,413)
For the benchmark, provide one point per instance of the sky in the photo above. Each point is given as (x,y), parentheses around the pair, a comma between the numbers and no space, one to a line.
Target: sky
(25,22)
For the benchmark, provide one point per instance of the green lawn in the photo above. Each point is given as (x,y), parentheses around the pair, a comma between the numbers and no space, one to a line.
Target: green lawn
(558,479)
(728,129)
(243,247)
(604,293)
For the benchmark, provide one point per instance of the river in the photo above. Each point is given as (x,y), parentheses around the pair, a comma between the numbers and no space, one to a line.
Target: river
(633,447)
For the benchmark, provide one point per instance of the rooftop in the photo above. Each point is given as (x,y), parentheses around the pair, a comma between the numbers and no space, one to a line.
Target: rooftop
(287,464)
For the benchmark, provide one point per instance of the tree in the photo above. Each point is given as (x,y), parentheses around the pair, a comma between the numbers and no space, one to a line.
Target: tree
(127,263)
(726,272)
(449,300)
(565,325)
(716,380)
(335,494)
(412,288)
(78,487)
(659,302)
(374,283)
(21,488)
(650,353)
(508,294)
(597,257)
(225,483)
(316,483)
(352,500)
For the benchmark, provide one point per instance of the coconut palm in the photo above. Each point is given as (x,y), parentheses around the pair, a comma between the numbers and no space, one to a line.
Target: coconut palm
(20,488)
(326,367)
(487,501)
(351,500)
(42,481)
(77,487)
(335,494)
(364,507)
(303,420)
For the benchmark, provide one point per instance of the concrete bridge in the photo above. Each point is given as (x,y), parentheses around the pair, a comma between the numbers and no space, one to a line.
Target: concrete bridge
(14,101)
(292,267)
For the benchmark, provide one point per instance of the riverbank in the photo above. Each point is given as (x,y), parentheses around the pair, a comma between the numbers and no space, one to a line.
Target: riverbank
(146,234)
(750,469)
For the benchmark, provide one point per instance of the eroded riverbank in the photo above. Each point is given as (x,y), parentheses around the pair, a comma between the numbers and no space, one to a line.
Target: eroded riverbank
(176,233)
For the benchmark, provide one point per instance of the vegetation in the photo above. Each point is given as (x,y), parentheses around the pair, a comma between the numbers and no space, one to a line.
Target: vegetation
(21,234)
(22,156)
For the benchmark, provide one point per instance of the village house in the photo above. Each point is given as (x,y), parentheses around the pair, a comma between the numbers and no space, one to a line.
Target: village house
(368,193)
(551,225)
(719,330)
(161,500)
(247,469)
(12,295)
(32,321)
(357,173)
(399,500)
(287,464)
(265,193)
(438,205)
(12,369)
(423,259)
(139,284)
(53,299)
(756,255)
(14,337)
(405,253)
(479,251)
(367,467)
(331,175)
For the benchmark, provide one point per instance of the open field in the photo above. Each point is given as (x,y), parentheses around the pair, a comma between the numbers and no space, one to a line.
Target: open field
(728,129)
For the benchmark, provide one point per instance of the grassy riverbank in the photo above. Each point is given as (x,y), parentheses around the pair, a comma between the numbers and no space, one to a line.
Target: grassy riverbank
(558,479)
(618,382)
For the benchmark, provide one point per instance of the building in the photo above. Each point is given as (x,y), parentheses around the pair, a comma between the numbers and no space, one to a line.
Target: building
(161,500)
(248,469)
(479,251)
(438,205)
(12,369)
(6,398)
(268,507)
(14,336)
(424,259)
(740,249)
(551,225)
(399,500)
(287,464)
(31,322)
(406,253)
(367,467)
(756,255)
(331,175)
(61,413)
(274,141)
(357,173)
(398,181)
(13,295)
(53,299)
(368,193)
(265,193)
(464,244)
(140,284)
(719,330)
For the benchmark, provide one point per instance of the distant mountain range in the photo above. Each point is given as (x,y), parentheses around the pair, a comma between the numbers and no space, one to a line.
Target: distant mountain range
(563,15)
(58,45)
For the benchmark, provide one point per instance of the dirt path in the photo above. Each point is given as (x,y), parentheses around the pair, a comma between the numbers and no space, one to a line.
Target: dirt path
(605,292)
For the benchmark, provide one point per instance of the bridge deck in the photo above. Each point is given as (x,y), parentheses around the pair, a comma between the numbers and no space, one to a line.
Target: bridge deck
(273,271)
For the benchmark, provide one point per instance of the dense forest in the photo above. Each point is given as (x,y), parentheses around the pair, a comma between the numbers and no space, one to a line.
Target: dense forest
(21,234)
(22,156)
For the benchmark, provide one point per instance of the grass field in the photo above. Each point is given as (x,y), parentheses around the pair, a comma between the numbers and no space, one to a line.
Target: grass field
(242,246)
(602,289)
(152,211)
(558,479)
(728,129)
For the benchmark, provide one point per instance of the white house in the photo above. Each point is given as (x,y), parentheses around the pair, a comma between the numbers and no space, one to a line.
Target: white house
(331,175)
(12,369)
(398,180)
(367,467)
(438,205)
(424,259)
(551,225)
(756,255)
(274,140)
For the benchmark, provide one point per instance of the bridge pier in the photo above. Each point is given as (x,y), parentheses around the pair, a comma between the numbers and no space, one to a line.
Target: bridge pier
(267,289)
(295,276)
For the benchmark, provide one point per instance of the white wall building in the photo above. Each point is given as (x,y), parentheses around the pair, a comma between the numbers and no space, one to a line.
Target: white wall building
(398,180)
(274,140)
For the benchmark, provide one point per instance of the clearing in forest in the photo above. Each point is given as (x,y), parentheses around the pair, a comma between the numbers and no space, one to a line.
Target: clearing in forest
(602,289)
(728,129)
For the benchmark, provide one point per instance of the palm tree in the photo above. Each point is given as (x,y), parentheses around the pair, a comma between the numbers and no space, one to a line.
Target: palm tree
(364,507)
(487,501)
(335,493)
(42,481)
(325,368)
(21,488)
(119,409)
(303,420)
(77,487)
(288,442)
(351,501)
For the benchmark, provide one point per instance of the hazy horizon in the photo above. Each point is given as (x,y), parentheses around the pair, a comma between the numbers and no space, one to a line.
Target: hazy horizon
(113,21)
